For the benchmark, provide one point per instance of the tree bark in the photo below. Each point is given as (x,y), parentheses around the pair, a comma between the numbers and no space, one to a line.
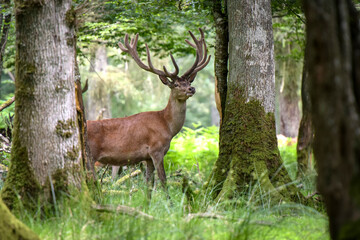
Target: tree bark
(248,151)
(304,147)
(288,97)
(4,28)
(45,159)
(333,48)
(221,54)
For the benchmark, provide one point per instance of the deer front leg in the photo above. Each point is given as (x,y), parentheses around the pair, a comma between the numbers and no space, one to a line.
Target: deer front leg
(149,177)
(158,160)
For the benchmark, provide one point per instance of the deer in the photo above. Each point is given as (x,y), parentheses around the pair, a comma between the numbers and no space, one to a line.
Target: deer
(146,136)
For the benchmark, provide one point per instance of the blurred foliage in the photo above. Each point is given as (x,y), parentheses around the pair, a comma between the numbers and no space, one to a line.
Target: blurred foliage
(193,149)
(288,155)
(163,22)
(7,114)
(289,29)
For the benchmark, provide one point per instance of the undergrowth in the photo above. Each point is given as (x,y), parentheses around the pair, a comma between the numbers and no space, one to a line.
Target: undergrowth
(191,156)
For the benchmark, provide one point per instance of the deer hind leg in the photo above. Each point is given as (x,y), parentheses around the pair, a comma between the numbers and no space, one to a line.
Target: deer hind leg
(149,177)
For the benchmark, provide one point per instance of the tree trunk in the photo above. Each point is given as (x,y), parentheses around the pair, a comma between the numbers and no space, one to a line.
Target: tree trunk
(221,54)
(248,151)
(333,48)
(5,20)
(306,132)
(98,94)
(288,97)
(45,159)
(11,228)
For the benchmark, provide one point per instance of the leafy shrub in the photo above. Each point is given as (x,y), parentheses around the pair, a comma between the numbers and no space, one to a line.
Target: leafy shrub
(193,149)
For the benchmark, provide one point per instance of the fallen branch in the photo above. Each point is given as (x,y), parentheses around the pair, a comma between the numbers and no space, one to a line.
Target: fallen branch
(126,177)
(7,103)
(122,209)
(118,192)
(191,216)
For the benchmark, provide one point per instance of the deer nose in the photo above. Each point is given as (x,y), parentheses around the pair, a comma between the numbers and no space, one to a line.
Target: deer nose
(191,89)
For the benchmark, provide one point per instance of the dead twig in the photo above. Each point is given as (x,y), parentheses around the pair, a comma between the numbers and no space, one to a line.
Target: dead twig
(122,209)
(7,103)
(102,176)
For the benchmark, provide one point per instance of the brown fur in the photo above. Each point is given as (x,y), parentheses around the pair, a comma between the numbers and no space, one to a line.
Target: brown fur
(141,137)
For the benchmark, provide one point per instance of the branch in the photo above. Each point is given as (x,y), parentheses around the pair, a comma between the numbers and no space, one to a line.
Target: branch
(292,11)
(122,209)
(7,103)
(126,177)
(191,216)
(85,88)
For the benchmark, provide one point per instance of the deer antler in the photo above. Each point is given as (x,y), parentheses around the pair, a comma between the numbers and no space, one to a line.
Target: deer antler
(131,48)
(200,53)
(200,62)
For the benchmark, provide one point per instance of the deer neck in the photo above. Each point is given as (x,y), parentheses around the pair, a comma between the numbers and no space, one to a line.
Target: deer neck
(174,114)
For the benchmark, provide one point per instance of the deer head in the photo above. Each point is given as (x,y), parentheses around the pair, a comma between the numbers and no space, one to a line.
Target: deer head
(180,85)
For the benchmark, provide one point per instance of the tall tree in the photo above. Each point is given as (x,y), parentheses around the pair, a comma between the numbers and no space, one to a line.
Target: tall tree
(5,19)
(333,48)
(219,11)
(248,146)
(45,158)
(304,147)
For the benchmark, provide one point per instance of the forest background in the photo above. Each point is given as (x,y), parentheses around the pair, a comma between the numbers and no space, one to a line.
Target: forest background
(117,88)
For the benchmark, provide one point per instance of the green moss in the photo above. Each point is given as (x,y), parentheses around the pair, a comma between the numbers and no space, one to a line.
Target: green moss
(21,6)
(21,183)
(70,17)
(73,153)
(70,41)
(65,128)
(60,181)
(11,228)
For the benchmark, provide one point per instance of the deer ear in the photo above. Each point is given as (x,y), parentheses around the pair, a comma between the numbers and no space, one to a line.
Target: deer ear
(165,80)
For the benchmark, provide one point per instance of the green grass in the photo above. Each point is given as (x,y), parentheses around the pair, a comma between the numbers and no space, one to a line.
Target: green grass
(194,152)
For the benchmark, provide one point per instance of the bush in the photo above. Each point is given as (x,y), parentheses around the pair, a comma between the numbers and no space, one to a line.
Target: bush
(194,150)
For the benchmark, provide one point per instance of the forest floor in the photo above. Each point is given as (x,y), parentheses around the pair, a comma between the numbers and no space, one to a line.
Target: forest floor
(192,154)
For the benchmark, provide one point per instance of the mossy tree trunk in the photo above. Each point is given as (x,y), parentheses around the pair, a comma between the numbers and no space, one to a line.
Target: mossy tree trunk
(333,48)
(45,158)
(248,151)
(11,228)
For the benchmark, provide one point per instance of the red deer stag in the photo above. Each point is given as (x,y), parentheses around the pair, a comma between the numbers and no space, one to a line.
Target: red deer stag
(146,136)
